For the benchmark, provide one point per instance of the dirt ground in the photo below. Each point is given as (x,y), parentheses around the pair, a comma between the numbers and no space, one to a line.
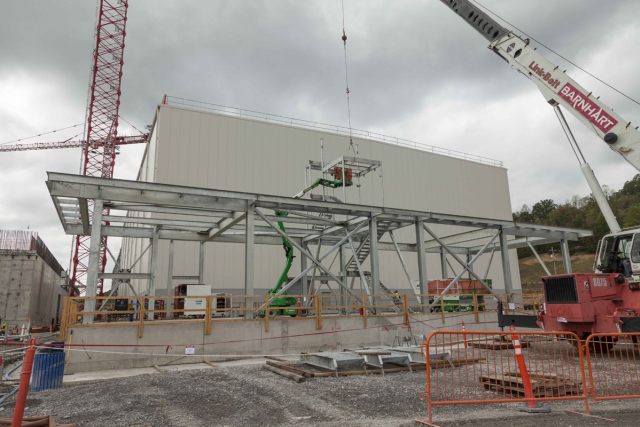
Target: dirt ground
(252,396)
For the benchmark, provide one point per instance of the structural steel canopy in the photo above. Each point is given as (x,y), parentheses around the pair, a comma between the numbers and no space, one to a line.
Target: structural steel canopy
(219,211)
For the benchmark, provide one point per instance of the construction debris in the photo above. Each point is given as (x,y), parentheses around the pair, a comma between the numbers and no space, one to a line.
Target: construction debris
(297,378)
(43,421)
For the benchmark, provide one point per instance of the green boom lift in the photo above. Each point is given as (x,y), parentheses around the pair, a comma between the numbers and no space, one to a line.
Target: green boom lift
(283,304)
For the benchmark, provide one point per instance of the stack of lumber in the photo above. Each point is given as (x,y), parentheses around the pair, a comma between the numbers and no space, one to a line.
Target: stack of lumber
(543,385)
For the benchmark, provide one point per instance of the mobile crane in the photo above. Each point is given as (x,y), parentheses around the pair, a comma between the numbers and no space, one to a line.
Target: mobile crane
(284,304)
(607,300)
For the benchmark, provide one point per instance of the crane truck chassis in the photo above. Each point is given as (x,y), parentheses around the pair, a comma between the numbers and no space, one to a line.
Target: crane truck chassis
(607,300)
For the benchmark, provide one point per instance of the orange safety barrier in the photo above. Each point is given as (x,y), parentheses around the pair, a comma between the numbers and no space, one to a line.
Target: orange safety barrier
(613,361)
(487,370)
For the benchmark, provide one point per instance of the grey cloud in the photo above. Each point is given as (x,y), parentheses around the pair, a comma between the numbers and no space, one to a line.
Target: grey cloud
(286,57)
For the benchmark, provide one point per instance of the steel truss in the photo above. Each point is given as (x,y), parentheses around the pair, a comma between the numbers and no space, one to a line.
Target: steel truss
(162,212)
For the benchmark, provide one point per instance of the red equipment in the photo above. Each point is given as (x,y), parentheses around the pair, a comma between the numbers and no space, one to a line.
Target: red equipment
(587,303)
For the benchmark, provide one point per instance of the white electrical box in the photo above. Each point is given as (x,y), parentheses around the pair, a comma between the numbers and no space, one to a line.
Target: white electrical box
(196,303)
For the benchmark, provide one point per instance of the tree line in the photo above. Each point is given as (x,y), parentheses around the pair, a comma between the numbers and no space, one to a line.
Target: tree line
(583,212)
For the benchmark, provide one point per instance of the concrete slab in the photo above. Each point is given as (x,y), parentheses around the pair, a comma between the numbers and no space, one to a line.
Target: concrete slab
(106,375)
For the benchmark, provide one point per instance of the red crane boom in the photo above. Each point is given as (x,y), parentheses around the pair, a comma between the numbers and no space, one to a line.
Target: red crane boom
(120,140)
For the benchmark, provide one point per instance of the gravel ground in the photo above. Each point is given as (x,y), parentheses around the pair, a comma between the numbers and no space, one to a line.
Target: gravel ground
(251,396)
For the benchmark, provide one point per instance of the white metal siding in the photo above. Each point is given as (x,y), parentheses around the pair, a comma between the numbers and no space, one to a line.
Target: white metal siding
(211,150)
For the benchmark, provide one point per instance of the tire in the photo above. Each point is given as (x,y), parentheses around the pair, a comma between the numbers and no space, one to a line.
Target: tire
(435,310)
(272,313)
(304,312)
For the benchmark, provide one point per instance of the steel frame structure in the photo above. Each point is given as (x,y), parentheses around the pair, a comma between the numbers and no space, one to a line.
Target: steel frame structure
(143,202)
(102,123)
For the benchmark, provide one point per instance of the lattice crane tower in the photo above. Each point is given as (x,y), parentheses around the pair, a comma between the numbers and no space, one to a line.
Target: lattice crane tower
(102,121)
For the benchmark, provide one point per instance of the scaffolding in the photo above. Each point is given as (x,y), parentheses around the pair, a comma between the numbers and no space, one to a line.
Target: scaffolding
(247,218)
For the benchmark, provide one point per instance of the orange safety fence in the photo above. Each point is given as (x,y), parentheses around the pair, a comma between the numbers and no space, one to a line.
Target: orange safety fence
(613,361)
(469,367)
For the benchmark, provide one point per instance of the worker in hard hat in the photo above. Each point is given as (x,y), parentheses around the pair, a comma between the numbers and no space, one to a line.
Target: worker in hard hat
(396,298)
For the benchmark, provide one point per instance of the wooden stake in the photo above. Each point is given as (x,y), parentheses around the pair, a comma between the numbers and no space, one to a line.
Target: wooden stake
(141,317)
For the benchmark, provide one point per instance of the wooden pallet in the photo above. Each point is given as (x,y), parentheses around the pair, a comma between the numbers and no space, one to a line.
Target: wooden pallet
(497,345)
(548,385)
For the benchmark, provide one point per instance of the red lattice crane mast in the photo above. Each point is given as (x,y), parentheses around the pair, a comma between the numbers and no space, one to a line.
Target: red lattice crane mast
(102,121)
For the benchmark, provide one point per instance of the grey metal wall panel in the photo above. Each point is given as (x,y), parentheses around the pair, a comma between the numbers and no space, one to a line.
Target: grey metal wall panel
(224,152)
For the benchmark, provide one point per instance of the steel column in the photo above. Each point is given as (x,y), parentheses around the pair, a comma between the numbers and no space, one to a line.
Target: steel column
(443,264)
(343,276)
(152,270)
(566,256)
(95,257)
(506,265)
(170,269)
(373,257)
(305,282)
(422,260)
(201,264)
(248,259)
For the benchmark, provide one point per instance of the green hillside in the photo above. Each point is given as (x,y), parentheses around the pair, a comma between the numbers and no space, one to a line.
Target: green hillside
(583,212)
(577,212)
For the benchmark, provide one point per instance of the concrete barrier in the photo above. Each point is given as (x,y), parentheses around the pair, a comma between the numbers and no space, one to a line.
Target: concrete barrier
(164,342)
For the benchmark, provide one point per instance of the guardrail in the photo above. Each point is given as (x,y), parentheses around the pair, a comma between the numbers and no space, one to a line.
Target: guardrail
(526,367)
(613,361)
(266,308)
(240,112)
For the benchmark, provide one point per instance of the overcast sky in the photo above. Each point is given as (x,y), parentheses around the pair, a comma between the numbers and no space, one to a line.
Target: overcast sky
(416,71)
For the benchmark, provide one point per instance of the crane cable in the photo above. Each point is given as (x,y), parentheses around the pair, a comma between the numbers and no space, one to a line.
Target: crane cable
(346,75)
(553,51)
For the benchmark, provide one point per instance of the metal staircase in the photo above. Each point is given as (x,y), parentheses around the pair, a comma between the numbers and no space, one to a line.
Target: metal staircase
(389,298)
(363,251)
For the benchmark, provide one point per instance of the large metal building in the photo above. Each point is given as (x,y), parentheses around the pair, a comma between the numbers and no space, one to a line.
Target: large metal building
(203,145)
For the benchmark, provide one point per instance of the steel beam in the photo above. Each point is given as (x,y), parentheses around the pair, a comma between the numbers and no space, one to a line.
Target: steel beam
(123,276)
(566,256)
(546,270)
(316,262)
(468,267)
(456,257)
(460,238)
(158,221)
(227,223)
(404,267)
(301,249)
(75,186)
(84,215)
